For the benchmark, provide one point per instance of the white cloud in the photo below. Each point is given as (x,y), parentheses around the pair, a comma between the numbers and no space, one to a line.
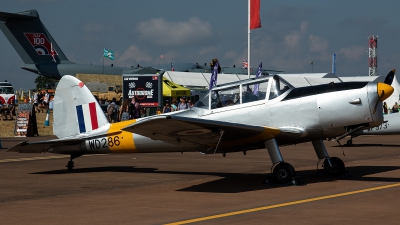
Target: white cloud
(303,26)
(161,32)
(318,44)
(293,39)
(132,55)
(354,52)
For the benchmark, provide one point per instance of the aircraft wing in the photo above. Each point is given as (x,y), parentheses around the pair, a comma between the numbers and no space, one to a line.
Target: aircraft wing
(201,134)
(66,146)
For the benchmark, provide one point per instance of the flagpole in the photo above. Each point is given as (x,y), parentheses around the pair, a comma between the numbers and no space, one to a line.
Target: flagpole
(103,65)
(248,40)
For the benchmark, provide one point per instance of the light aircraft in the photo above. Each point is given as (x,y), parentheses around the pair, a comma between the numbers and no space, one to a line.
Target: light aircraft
(390,125)
(263,112)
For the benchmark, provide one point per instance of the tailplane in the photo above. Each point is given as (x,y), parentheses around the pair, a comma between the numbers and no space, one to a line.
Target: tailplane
(30,38)
(76,111)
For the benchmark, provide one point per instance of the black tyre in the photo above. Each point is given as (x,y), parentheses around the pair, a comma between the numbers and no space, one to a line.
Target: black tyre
(283,173)
(70,165)
(337,168)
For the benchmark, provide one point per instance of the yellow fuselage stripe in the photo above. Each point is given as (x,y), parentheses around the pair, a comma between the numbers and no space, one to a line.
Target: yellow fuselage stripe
(284,204)
(122,141)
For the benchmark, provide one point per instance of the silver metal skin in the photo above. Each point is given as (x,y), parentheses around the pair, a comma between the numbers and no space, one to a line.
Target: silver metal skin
(320,149)
(313,117)
(307,118)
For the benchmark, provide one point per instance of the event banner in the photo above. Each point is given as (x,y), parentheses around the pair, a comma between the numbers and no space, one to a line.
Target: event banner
(145,87)
(25,122)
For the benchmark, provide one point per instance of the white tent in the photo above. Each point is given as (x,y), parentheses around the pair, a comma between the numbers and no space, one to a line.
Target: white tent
(202,80)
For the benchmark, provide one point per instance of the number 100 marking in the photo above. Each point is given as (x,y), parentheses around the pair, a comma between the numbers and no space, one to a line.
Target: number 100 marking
(38,41)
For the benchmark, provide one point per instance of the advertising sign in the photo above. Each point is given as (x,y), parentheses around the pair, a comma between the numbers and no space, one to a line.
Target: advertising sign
(25,122)
(145,87)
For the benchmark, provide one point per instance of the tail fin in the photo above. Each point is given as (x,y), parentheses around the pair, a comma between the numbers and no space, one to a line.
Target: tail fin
(76,111)
(30,38)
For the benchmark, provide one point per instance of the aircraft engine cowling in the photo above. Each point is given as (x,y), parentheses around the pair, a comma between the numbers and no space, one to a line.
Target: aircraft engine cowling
(349,107)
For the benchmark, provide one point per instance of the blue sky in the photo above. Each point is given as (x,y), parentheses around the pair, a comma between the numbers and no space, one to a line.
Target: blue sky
(293,33)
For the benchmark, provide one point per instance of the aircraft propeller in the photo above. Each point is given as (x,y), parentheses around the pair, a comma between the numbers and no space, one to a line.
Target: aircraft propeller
(384,89)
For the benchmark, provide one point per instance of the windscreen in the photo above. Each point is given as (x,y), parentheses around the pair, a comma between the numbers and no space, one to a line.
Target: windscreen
(278,87)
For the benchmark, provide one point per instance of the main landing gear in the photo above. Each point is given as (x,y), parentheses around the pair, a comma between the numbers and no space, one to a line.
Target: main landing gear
(333,166)
(70,165)
(284,173)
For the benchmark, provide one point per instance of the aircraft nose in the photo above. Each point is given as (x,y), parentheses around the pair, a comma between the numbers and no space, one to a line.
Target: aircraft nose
(384,90)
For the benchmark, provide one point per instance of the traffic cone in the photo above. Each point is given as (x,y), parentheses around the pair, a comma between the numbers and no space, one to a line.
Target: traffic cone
(46,122)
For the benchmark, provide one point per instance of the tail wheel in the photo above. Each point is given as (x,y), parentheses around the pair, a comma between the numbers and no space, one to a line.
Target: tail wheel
(70,165)
(337,168)
(283,172)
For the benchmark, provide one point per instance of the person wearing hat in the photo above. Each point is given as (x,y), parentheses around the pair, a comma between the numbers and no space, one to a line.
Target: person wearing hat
(183,105)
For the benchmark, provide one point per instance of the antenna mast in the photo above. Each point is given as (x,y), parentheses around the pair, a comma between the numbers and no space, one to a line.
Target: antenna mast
(373,55)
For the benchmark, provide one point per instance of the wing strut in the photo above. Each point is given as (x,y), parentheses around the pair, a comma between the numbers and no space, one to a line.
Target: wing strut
(220,137)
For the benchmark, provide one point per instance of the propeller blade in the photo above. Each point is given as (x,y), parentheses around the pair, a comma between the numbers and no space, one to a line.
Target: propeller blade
(389,78)
(384,91)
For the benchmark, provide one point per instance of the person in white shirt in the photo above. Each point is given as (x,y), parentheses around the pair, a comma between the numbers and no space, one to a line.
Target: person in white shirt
(46,98)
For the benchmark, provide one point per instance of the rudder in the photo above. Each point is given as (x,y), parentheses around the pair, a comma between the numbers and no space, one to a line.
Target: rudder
(76,111)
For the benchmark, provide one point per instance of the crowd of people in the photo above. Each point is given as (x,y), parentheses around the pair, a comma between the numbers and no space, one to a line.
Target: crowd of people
(131,108)
(394,109)
(42,101)
(7,110)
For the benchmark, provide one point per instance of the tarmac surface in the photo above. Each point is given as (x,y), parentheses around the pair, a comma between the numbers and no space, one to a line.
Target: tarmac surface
(174,188)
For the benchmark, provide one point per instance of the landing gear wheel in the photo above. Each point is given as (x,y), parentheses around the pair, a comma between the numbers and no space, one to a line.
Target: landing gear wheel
(337,168)
(283,173)
(70,165)
(350,142)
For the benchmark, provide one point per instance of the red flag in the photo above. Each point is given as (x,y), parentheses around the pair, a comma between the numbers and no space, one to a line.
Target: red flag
(255,21)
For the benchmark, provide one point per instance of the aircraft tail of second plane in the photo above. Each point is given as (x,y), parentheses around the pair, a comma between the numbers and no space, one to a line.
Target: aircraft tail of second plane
(30,38)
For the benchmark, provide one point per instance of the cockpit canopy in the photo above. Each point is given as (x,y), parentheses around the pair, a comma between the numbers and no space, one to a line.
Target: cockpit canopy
(255,89)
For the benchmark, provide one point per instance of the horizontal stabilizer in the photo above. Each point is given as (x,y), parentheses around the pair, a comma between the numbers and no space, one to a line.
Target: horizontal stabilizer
(66,146)
(25,15)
